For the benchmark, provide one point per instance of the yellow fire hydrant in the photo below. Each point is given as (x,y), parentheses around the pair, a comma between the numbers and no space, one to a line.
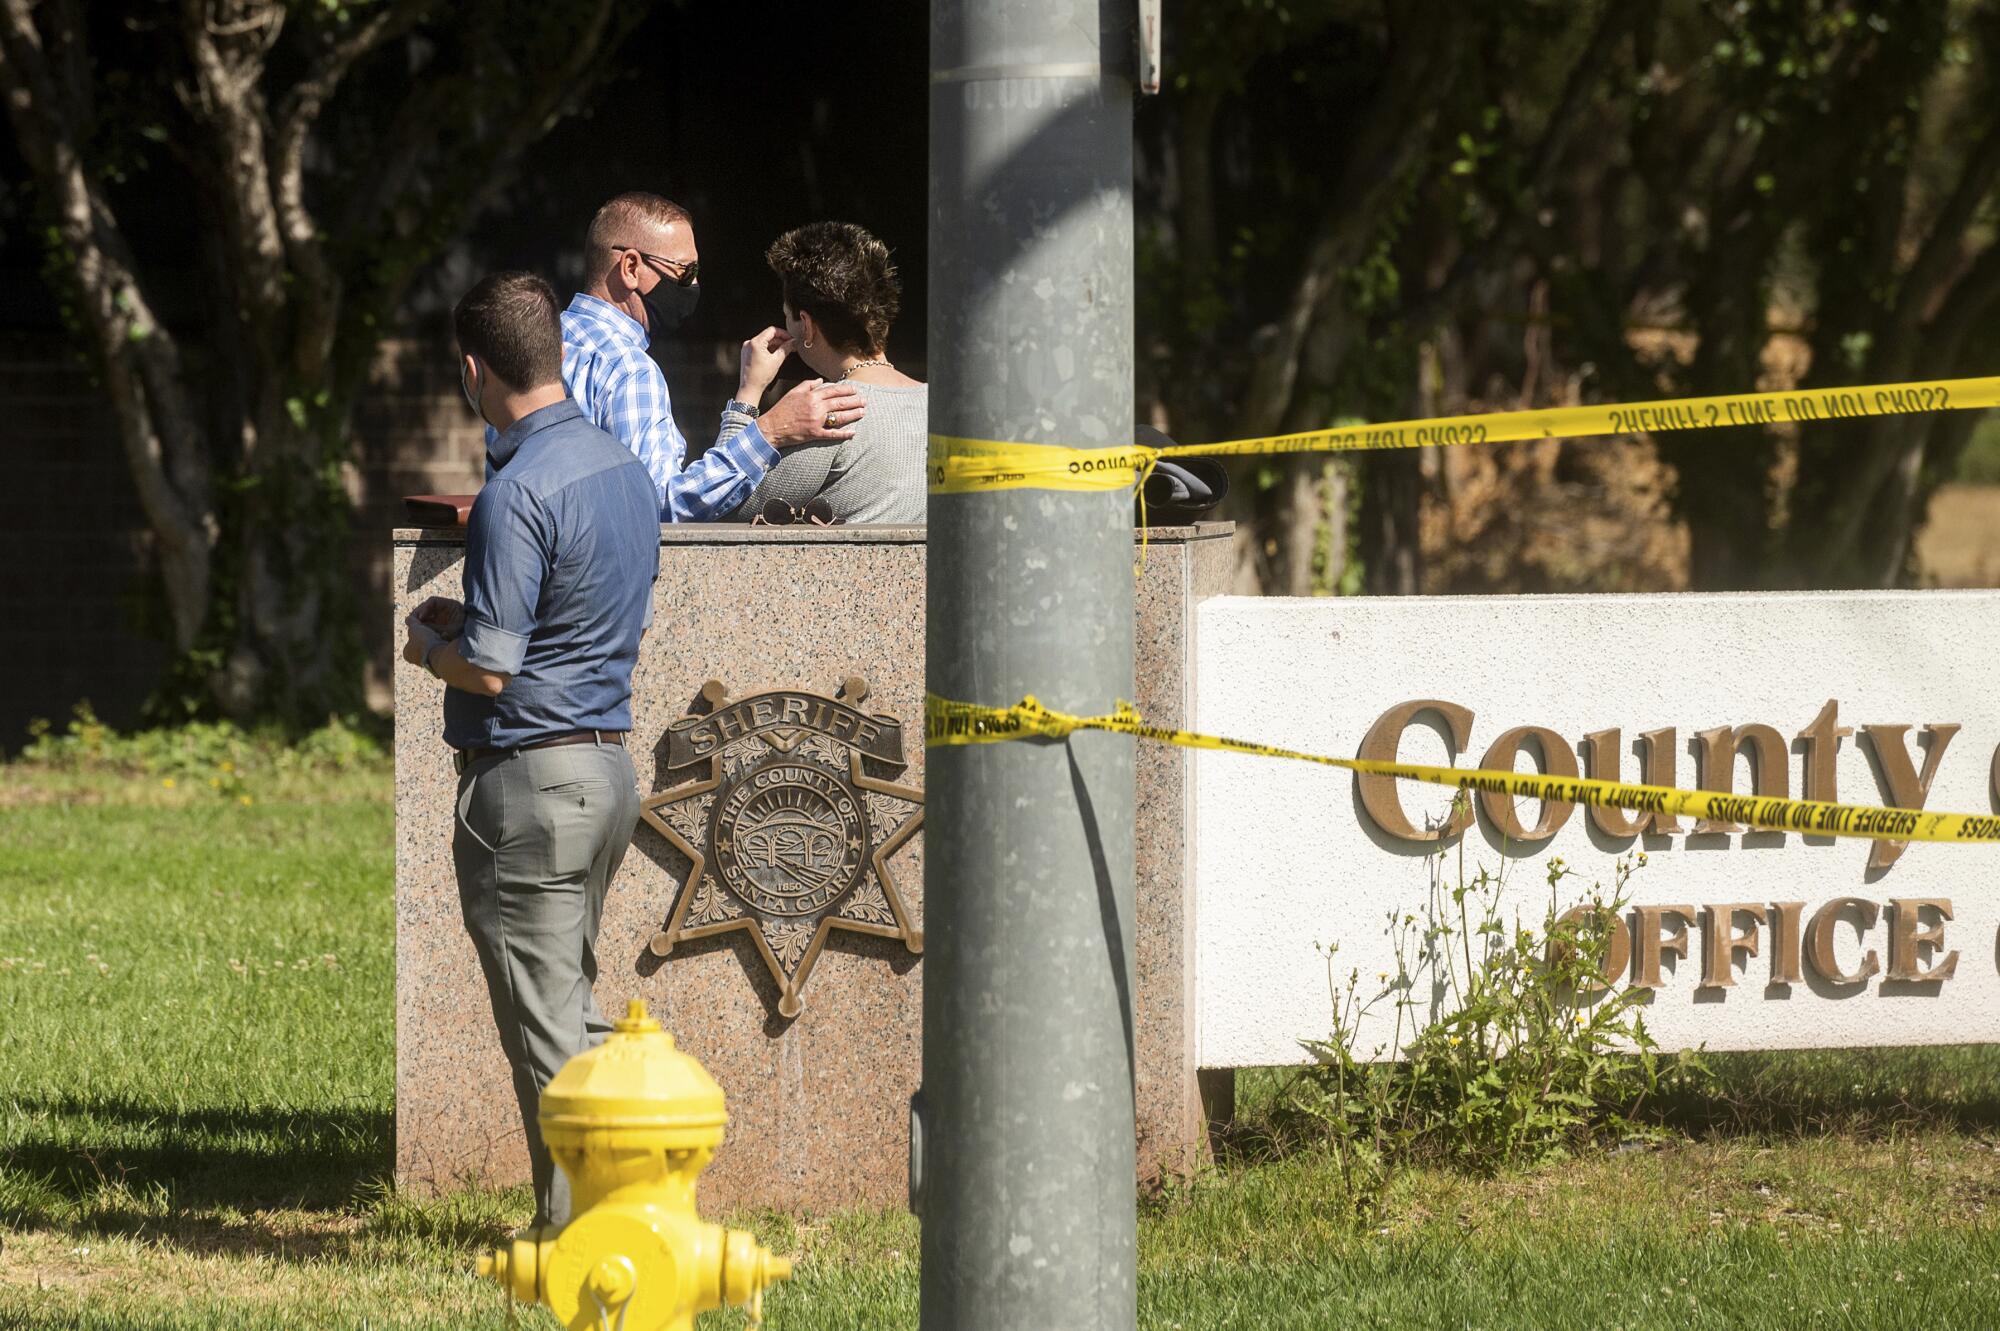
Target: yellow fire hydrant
(633,1123)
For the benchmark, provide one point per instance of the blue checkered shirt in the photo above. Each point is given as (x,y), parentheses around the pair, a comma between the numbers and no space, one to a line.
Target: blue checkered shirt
(621,391)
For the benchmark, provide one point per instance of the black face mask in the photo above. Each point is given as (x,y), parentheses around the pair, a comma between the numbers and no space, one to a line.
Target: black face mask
(667,304)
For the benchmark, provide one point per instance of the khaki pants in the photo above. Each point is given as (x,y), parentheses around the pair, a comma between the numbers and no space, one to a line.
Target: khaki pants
(538,836)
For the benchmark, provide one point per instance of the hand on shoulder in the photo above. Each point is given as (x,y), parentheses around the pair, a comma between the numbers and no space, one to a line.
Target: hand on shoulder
(813,411)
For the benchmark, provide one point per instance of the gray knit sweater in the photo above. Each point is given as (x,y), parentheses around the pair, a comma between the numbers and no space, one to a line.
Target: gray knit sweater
(877,476)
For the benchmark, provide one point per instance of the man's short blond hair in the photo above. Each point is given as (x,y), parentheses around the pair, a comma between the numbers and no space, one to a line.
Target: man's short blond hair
(619,221)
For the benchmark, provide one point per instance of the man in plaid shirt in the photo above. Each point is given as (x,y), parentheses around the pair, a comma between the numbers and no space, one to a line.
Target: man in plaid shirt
(644,277)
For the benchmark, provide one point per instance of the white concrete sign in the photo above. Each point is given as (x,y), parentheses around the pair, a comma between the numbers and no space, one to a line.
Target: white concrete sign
(1757,939)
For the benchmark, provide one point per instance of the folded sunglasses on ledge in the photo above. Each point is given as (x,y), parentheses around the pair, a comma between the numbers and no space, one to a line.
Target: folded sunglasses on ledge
(782,513)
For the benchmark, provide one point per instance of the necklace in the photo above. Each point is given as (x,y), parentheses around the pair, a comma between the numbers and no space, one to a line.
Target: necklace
(864,364)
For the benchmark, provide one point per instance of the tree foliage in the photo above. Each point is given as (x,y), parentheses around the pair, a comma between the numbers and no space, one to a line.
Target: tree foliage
(1369,210)
(323,152)
(1832,167)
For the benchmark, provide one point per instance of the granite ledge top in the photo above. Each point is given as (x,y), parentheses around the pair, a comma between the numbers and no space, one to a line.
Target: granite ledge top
(742,533)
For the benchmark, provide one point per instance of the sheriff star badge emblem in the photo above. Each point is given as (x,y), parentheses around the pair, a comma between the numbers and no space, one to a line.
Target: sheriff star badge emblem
(785,808)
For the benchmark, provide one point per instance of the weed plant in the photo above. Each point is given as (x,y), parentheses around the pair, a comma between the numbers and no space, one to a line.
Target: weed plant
(1507,1046)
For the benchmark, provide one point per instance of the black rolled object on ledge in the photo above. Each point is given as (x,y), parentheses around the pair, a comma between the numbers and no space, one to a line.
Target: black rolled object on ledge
(1182,491)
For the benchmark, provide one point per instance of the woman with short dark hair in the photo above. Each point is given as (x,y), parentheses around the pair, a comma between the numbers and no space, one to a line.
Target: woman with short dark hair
(840,296)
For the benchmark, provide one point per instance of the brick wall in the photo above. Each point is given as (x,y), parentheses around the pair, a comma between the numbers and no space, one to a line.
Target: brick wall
(76,580)
(413,434)
(78,583)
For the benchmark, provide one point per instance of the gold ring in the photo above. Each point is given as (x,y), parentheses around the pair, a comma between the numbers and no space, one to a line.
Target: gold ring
(832,419)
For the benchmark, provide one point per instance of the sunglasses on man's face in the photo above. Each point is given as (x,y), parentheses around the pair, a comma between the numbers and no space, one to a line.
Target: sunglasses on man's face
(680,274)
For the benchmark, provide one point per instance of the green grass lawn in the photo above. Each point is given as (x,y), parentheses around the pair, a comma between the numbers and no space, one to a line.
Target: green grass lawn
(196,1079)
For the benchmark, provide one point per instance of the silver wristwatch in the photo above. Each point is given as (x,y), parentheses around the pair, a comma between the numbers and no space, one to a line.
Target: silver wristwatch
(746,408)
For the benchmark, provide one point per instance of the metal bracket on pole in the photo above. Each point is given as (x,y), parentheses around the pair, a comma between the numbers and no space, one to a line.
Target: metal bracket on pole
(1149,45)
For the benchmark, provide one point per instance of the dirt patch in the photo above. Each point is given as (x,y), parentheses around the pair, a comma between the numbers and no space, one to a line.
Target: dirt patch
(1553,517)
(1960,545)
(45,1261)
(258,1258)
(1558,517)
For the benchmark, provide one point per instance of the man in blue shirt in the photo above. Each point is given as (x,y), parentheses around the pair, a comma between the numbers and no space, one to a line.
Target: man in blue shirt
(643,277)
(560,556)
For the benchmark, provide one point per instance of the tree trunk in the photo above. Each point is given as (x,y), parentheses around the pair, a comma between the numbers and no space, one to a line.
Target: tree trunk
(294,631)
(1392,556)
(139,359)
(1723,488)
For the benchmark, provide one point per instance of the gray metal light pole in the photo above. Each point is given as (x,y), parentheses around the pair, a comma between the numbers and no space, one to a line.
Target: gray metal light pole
(1027,1128)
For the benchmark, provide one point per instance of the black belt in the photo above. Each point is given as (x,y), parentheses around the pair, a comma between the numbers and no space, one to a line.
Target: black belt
(465,758)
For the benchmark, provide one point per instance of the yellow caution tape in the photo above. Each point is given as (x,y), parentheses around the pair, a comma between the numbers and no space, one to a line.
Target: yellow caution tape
(949,723)
(969,466)
(966,466)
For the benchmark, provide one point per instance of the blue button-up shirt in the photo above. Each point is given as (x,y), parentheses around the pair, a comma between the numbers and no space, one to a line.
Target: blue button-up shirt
(606,369)
(560,556)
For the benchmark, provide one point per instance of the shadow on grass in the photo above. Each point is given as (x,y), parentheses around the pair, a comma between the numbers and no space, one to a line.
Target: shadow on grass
(1858,1093)
(1854,1092)
(192,1178)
